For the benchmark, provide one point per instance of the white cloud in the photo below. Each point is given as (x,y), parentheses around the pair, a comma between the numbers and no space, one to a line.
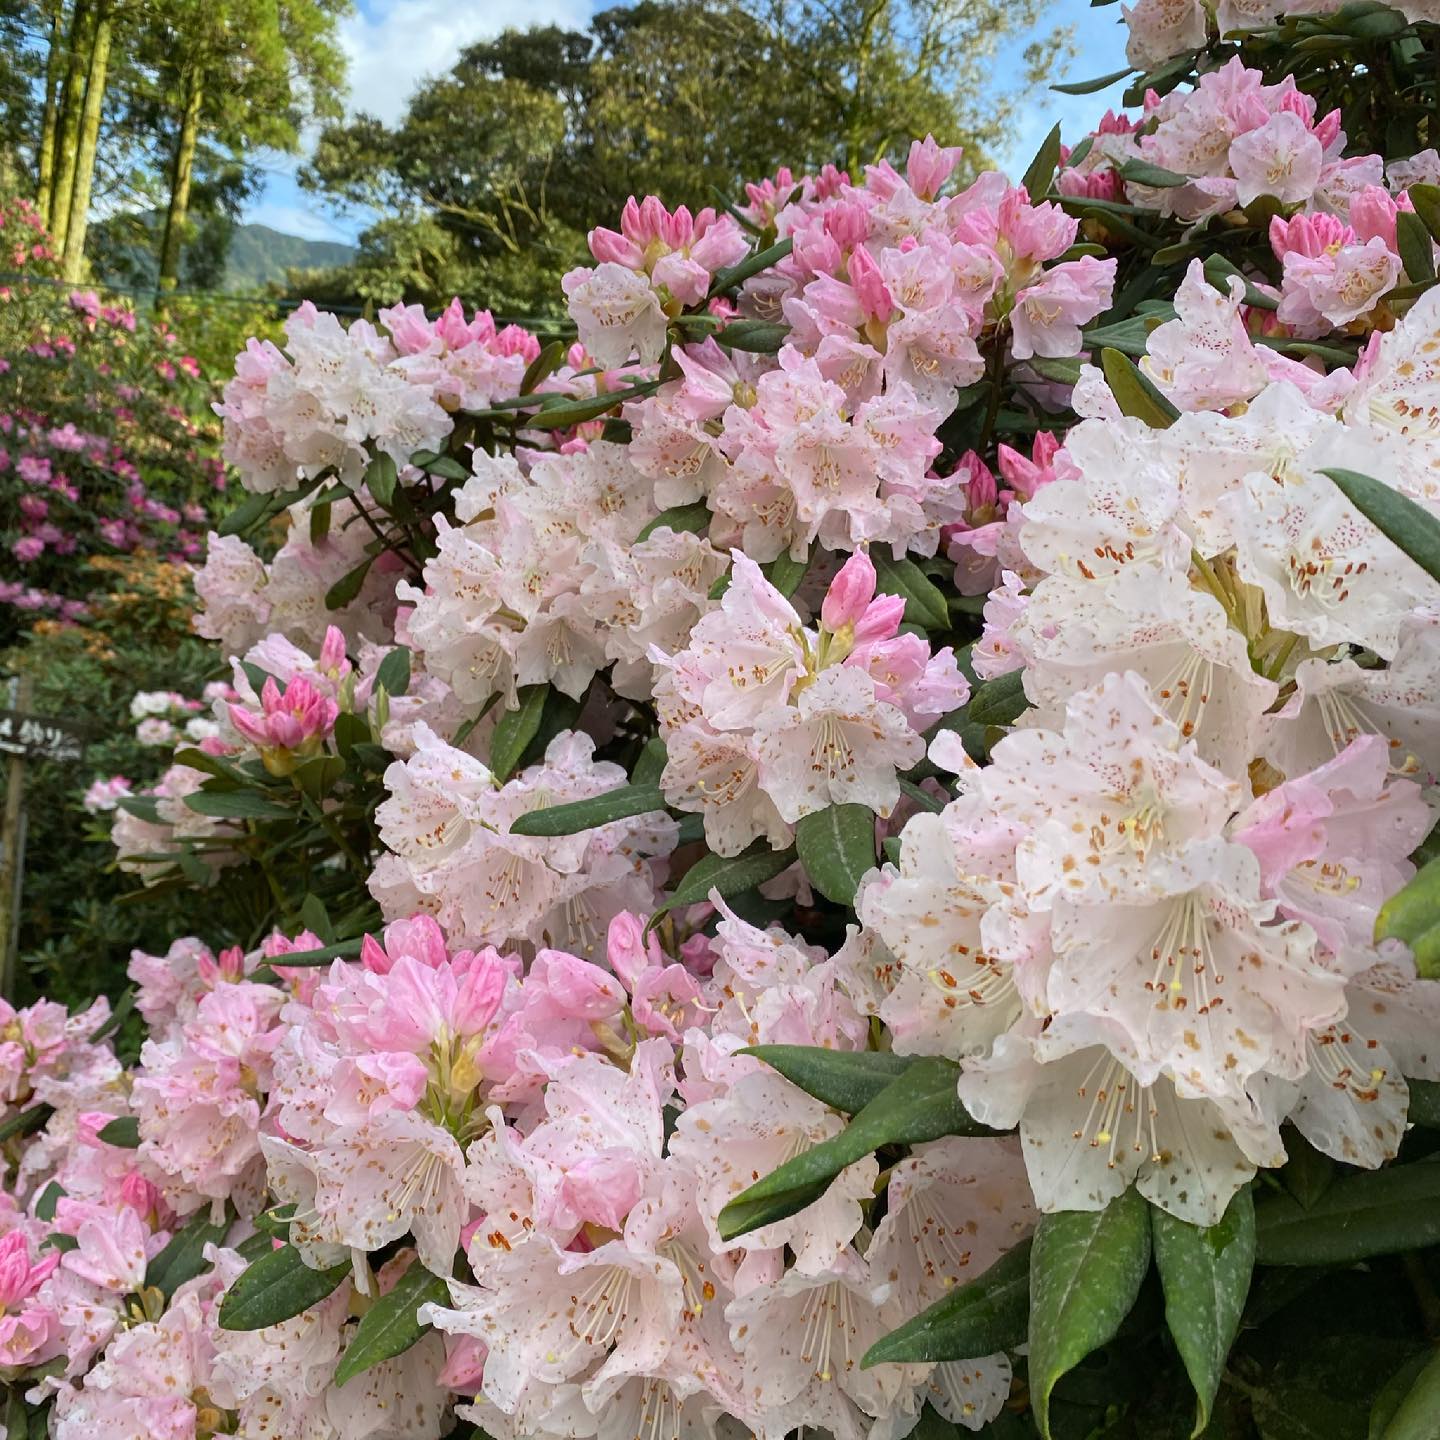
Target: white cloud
(394,44)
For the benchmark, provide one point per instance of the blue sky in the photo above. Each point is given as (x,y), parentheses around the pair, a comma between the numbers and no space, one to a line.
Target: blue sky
(393,44)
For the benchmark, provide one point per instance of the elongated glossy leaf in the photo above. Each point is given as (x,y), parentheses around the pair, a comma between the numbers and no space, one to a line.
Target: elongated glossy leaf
(919,1104)
(123,1133)
(1000,701)
(651,764)
(381,478)
(1089,87)
(691,519)
(924,603)
(752,265)
(986,1315)
(341,950)
(569,413)
(246,514)
(516,729)
(391,1326)
(1397,517)
(184,1257)
(1205,1274)
(1134,392)
(847,1080)
(785,573)
(1410,912)
(276,1287)
(587,814)
(1414,243)
(1425,1103)
(1086,1267)
(1041,170)
(347,587)
(25,1121)
(756,337)
(1379,1212)
(394,671)
(1426,200)
(237,805)
(1140,172)
(1408,1407)
(550,359)
(836,846)
(732,876)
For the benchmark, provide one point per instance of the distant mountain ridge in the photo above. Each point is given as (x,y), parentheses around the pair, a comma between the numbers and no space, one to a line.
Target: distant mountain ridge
(259,255)
(255,256)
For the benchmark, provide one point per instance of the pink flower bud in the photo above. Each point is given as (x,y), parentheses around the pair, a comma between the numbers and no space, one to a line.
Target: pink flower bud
(849,593)
(930,166)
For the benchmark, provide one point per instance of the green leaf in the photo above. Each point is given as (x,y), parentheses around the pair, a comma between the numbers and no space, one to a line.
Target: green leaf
(1426,200)
(983,1316)
(515,730)
(679,518)
(1141,172)
(1425,1104)
(752,265)
(1205,1274)
(836,846)
(246,514)
(1397,517)
(237,805)
(394,671)
(391,1326)
(25,1121)
(756,337)
(784,572)
(924,602)
(847,1080)
(1412,238)
(48,1199)
(277,1287)
(184,1258)
(587,814)
(1413,910)
(381,478)
(347,587)
(728,876)
(1041,170)
(1410,1409)
(1062,372)
(1378,1212)
(569,413)
(1086,1267)
(317,775)
(650,765)
(447,467)
(144,807)
(1000,701)
(544,364)
(919,1104)
(341,950)
(123,1132)
(1134,393)
(1089,87)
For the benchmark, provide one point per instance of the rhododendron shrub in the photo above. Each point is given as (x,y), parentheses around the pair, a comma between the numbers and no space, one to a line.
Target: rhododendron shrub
(840,853)
(105,447)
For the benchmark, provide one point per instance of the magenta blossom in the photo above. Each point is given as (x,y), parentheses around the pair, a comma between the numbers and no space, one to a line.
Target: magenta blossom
(290,726)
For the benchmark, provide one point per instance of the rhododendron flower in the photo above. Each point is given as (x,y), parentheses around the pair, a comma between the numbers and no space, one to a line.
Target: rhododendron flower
(290,725)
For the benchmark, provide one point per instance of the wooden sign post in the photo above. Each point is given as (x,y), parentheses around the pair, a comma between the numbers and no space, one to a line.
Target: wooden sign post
(23,737)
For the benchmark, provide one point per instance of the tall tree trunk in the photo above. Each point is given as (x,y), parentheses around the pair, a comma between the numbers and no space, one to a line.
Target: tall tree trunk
(54,69)
(73,265)
(72,105)
(177,214)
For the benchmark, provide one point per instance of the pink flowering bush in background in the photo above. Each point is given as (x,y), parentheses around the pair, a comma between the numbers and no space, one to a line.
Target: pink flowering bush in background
(846,852)
(105,448)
